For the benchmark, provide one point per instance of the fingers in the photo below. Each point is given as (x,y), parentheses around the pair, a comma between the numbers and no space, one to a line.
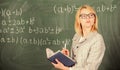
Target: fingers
(59,65)
(57,61)
(65,51)
(53,63)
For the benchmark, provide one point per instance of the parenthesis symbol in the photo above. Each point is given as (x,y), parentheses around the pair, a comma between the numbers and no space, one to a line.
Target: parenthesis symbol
(20,11)
(72,9)
(55,9)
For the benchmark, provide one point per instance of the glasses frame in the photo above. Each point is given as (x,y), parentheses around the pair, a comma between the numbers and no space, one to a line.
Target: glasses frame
(85,16)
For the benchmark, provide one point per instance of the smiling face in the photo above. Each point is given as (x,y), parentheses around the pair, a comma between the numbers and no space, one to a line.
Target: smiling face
(87,18)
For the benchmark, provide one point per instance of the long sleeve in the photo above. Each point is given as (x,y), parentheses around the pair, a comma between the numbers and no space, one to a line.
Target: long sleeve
(94,57)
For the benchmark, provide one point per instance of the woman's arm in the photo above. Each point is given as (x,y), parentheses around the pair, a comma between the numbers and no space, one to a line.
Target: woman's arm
(94,58)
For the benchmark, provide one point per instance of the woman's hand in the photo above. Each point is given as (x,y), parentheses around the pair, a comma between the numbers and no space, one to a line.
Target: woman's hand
(59,65)
(65,51)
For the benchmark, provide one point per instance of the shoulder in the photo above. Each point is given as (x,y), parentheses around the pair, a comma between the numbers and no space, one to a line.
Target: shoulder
(98,36)
(99,41)
(76,36)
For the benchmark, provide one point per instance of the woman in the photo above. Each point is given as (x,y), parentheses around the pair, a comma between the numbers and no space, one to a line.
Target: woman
(88,46)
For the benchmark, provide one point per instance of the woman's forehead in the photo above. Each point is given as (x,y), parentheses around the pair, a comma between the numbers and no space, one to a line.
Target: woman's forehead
(85,11)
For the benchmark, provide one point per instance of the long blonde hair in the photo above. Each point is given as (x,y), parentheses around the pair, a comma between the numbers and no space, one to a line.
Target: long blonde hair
(78,26)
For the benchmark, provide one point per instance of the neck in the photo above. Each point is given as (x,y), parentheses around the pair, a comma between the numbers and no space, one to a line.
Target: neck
(86,31)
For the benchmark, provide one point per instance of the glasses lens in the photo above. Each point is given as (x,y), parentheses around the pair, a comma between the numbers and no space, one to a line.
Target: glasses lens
(91,15)
(84,16)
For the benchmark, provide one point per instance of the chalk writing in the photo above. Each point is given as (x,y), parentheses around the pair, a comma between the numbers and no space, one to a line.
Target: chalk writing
(7,12)
(17,22)
(60,9)
(30,30)
(33,41)
(104,8)
(12,30)
(45,30)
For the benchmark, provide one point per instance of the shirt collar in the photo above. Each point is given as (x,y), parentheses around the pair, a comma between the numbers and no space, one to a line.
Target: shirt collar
(82,39)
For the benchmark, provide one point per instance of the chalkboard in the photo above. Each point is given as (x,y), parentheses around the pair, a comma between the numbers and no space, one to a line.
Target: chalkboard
(28,27)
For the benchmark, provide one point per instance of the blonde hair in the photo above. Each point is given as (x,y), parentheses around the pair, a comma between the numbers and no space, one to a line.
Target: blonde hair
(78,26)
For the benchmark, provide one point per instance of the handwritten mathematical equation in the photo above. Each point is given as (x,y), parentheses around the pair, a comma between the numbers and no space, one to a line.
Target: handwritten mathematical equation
(60,9)
(7,12)
(34,41)
(45,30)
(104,8)
(18,22)
(30,30)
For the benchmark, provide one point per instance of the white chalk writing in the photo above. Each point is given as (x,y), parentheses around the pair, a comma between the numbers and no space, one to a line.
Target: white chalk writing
(33,41)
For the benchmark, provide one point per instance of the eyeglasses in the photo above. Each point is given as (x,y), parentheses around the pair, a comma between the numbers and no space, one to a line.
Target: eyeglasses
(85,16)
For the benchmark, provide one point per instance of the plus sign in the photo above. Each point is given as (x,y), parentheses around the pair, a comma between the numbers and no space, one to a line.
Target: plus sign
(107,9)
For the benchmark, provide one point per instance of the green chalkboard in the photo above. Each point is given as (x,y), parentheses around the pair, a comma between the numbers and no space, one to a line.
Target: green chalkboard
(28,27)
